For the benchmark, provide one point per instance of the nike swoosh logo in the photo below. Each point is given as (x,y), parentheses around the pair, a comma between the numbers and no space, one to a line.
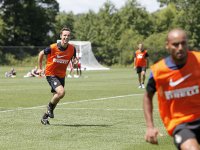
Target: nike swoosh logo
(58,56)
(177,82)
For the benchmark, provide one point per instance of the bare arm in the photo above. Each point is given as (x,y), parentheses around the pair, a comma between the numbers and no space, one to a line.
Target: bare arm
(134,61)
(151,131)
(40,59)
(147,62)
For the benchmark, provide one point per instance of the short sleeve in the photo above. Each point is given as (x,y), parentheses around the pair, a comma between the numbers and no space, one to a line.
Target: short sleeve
(47,50)
(151,84)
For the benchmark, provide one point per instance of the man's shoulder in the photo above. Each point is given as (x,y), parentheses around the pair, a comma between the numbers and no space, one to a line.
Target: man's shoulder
(71,45)
(159,62)
(53,45)
(195,52)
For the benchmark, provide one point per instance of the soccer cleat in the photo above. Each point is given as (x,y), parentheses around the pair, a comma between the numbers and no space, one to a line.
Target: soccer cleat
(45,120)
(69,76)
(50,112)
(142,86)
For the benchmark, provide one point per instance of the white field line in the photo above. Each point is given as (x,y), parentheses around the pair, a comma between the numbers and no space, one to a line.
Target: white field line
(75,102)
(104,109)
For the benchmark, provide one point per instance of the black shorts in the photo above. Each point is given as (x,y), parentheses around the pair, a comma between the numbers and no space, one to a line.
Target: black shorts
(186,131)
(54,82)
(140,69)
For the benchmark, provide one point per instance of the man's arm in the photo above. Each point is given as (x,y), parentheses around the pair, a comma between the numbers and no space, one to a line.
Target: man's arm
(147,59)
(151,131)
(134,60)
(40,59)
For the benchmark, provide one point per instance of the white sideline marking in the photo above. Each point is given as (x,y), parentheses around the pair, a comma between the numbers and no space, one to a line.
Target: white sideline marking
(81,101)
(108,109)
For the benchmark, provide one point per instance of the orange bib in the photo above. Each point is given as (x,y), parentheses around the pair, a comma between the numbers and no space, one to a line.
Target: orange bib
(57,61)
(178,91)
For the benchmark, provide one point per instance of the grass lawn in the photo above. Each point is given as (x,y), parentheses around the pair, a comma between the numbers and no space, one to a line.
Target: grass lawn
(102,110)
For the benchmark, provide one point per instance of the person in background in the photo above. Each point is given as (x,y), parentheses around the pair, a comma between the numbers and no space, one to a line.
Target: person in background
(140,64)
(34,73)
(178,93)
(58,56)
(11,74)
(71,71)
(78,64)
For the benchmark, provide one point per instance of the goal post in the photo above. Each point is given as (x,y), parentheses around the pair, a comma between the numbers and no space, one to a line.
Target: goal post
(87,58)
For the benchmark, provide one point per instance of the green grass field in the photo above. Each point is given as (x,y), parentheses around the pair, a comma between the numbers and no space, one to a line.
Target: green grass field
(102,110)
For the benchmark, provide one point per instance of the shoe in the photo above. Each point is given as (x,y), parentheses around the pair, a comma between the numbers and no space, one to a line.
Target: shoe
(45,120)
(50,112)
(142,86)
(76,76)
(69,76)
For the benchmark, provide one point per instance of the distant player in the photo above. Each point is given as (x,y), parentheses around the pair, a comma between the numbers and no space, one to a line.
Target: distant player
(77,63)
(140,64)
(58,57)
(11,74)
(34,73)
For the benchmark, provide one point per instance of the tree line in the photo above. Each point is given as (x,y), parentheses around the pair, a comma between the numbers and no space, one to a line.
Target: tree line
(26,26)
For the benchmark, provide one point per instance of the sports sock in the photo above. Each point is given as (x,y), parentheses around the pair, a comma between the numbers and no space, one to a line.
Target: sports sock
(45,116)
(51,106)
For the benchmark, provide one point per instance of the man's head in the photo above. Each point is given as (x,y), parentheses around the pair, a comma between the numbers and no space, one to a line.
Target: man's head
(65,36)
(176,44)
(140,47)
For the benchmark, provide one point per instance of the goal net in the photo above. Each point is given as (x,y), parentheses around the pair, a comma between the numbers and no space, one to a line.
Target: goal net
(87,58)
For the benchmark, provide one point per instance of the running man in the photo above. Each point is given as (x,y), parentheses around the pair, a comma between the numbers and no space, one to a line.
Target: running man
(58,57)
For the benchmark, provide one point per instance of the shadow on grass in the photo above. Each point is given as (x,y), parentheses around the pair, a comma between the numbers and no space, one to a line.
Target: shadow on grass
(81,125)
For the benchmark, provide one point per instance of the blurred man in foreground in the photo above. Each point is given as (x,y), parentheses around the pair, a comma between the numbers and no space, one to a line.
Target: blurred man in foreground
(176,79)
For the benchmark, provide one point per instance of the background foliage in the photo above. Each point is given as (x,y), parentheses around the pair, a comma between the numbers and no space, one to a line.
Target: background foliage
(28,26)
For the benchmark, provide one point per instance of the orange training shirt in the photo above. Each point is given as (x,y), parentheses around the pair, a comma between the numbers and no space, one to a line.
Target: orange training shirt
(140,58)
(57,60)
(178,91)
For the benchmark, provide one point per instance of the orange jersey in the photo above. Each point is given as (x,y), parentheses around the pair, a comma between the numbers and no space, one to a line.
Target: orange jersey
(140,58)
(178,91)
(57,61)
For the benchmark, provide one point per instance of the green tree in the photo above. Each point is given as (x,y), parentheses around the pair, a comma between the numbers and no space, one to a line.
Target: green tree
(103,30)
(127,45)
(85,27)
(155,45)
(188,18)
(28,22)
(135,17)
(64,19)
(109,34)
(165,18)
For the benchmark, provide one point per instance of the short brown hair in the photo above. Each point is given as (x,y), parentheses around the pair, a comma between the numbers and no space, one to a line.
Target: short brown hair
(65,29)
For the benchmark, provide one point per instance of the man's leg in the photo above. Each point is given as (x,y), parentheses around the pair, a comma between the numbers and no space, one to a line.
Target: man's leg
(190,144)
(143,78)
(57,85)
(139,70)
(139,80)
(185,136)
(59,94)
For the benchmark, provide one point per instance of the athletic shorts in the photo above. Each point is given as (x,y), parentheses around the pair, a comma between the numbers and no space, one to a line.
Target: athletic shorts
(140,69)
(79,65)
(186,131)
(54,82)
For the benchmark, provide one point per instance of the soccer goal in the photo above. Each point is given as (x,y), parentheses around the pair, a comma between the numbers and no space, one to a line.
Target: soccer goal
(88,60)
